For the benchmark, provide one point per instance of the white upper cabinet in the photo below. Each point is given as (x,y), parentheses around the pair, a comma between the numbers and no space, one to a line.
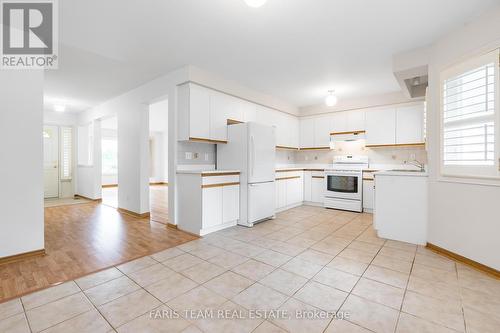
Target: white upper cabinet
(221,108)
(322,129)
(339,122)
(194,112)
(235,108)
(409,124)
(294,131)
(355,120)
(307,133)
(249,111)
(204,115)
(381,127)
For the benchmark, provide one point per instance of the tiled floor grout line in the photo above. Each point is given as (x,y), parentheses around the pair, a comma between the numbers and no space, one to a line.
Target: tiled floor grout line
(350,292)
(95,307)
(249,257)
(25,314)
(405,290)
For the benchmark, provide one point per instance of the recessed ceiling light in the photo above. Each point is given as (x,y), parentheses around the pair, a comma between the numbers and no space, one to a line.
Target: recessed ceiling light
(60,107)
(255,3)
(331,99)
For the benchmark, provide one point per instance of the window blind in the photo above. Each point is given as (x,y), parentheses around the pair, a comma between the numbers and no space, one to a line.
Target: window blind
(66,152)
(469,117)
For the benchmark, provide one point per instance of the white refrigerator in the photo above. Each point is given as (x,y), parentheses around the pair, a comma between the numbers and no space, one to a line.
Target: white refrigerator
(251,148)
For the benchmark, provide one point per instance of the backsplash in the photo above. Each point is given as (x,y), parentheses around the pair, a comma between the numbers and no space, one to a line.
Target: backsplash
(203,156)
(195,153)
(385,155)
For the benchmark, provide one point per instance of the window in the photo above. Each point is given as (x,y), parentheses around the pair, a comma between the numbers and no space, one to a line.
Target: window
(66,152)
(469,116)
(109,156)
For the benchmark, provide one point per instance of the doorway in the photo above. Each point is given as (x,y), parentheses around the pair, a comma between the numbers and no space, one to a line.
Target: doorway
(158,157)
(50,161)
(109,160)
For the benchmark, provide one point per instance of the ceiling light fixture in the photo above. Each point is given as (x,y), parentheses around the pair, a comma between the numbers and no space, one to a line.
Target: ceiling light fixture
(255,3)
(331,99)
(60,107)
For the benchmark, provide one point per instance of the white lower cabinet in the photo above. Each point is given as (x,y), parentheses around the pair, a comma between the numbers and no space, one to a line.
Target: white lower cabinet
(230,203)
(211,206)
(289,189)
(368,195)
(307,186)
(314,183)
(317,189)
(208,203)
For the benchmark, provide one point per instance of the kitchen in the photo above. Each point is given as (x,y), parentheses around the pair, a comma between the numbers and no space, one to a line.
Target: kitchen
(267,161)
(336,161)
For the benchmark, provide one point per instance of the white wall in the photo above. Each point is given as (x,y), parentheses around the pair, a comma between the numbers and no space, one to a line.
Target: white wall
(21,170)
(133,150)
(89,176)
(463,218)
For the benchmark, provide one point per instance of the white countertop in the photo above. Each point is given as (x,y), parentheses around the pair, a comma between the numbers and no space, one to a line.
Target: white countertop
(401,173)
(207,172)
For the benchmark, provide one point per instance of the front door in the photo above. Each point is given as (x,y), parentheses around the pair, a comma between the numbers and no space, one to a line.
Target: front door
(51,161)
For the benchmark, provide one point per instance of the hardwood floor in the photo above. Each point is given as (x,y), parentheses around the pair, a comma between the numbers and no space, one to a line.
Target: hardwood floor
(80,239)
(158,197)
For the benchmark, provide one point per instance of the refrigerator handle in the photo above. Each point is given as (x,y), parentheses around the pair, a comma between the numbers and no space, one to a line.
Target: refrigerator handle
(252,143)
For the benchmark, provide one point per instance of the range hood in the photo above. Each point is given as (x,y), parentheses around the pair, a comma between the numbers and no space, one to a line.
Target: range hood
(347,136)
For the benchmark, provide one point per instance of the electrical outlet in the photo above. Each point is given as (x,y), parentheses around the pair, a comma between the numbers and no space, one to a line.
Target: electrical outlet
(394,157)
(206,156)
(195,155)
(316,158)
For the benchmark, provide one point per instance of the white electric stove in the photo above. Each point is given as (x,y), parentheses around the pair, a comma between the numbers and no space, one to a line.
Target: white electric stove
(344,183)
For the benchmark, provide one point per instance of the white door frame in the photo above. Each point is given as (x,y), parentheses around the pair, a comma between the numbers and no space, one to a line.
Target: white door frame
(54,164)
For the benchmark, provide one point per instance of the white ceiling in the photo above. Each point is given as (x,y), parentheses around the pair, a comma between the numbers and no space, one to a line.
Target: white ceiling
(292,49)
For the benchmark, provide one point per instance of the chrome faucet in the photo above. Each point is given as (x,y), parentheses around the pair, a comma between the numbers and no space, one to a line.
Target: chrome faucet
(416,163)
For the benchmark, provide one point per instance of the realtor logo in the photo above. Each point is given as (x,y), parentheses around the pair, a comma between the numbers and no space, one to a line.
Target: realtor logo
(29,34)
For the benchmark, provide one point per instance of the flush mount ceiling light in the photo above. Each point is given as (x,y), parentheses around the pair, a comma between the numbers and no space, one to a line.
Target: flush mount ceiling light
(331,99)
(255,3)
(60,107)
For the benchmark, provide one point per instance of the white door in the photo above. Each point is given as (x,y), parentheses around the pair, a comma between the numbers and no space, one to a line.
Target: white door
(262,153)
(409,124)
(355,120)
(294,190)
(199,112)
(220,108)
(230,203)
(368,191)
(306,132)
(322,129)
(51,161)
(283,193)
(307,186)
(381,127)
(317,189)
(261,201)
(212,207)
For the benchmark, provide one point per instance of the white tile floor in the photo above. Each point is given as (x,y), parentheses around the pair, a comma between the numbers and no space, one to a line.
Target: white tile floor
(308,261)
